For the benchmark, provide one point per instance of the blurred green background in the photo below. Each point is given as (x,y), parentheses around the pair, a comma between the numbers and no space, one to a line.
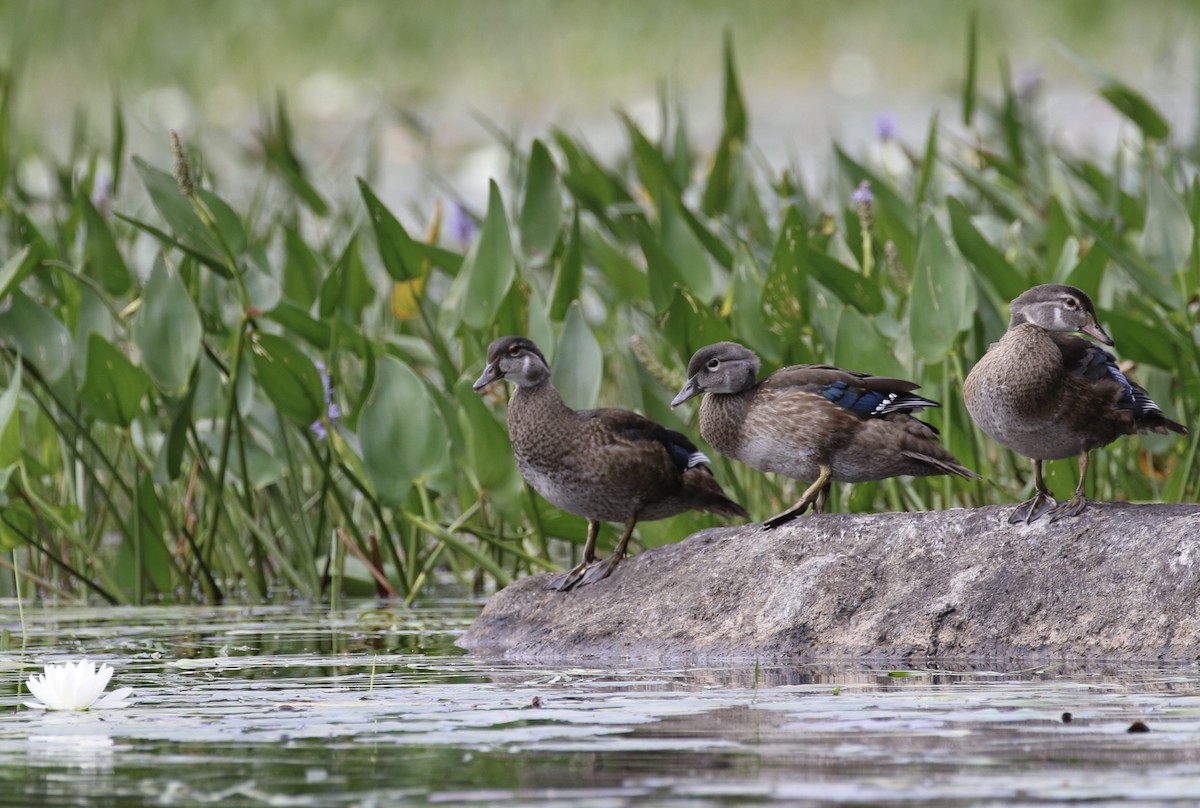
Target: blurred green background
(813,70)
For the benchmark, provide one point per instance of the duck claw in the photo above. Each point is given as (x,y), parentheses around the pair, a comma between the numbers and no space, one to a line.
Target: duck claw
(1072,507)
(1032,510)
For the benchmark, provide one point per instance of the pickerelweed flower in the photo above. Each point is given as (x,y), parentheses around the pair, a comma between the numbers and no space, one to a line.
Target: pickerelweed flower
(332,410)
(886,126)
(75,686)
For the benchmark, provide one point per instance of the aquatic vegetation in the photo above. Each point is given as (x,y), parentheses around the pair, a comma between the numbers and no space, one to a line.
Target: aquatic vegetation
(166,431)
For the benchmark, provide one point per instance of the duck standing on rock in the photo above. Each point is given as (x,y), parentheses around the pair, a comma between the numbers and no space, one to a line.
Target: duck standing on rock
(1048,394)
(607,465)
(813,422)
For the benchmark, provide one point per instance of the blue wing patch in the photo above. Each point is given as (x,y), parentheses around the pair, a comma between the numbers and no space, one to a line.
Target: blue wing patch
(872,403)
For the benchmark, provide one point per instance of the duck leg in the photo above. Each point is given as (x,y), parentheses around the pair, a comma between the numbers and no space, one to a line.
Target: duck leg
(814,494)
(1042,501)
(602,569)
(564,582)
(1075,505)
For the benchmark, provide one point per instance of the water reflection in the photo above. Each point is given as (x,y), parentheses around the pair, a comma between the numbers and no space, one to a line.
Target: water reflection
(372,705)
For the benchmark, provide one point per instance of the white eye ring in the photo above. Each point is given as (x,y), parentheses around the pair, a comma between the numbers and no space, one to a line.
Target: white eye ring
(713,364)
(1071,303)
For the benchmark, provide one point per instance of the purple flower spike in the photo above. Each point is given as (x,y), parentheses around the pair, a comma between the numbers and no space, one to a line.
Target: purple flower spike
(862,194)
(886,126)
(462,226)
(332,410)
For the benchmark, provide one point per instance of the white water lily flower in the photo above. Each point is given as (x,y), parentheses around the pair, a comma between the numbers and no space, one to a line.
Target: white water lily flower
(75,686)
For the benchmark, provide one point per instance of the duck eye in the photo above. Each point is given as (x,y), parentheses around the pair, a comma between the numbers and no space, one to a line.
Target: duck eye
(514,350)
(1071,303)
(713,364)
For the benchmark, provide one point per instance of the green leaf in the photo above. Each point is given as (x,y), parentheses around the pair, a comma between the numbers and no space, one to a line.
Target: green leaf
(14,270)
(169,461)
(38,335)
(850,286)
(928,162)
(568,275)
(685,250)
(113,387)
(579,362)
(972,71)
(346,288)
(942,295)
(1134,106)
(401,431)
(488,270)
(225,220)
(10,421)
(718,191)
(745,308)
(288,377)
(858,345)
(489,453)
(102,258)
(1167,240)
(661,272)
(541,214)
(167,330)
(990,262)
(177,211)
(399,252)
(1058,230)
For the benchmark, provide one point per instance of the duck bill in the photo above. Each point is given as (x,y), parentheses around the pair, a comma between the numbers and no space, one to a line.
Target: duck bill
(689,390)
(490,374)
(1094,330)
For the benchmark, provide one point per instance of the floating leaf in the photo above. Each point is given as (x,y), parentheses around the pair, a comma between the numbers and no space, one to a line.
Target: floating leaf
(288,377)
(403,435)
(113,387)
(167,330)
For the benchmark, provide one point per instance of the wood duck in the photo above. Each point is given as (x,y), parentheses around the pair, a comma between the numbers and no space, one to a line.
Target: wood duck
(1048,394)
(813,422)
(604,465)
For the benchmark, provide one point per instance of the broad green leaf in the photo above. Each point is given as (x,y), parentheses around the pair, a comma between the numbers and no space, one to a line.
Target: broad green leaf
(1089,270)
(1167,240)
(168,463)
(13,270)
(718,190)
(1136,340)
(226,222)
(568,275)
(850,286)
(167,330)
(177,211)
(17,522)
(661,272)
(10,421)
(579,362)
(541,214)
(401,431)
(301,270)
(685,250)
(399,252)
(745,308)
(113,387)
(1134,106)
(103,259)
(1058,230)
(38,335)
(298,321)
(990,262)
(488,270)
(942,293)
(489,453)
(288,377)
(346,288)
(859,346)
(690,324)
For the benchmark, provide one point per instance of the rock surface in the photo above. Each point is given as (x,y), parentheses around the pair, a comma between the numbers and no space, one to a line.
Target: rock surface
(1119,581)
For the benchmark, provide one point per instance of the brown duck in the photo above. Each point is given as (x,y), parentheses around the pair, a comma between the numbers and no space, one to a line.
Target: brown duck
(1048,394)
(607,465)
(813,422)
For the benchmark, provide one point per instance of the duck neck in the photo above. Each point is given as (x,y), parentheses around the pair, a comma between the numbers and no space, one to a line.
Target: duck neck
(533,405)
(721,418)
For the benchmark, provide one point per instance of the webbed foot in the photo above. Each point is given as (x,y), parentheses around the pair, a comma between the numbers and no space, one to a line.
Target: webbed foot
(600,570)
(1031,510)
(566,581)
(1072,507)
(785,517)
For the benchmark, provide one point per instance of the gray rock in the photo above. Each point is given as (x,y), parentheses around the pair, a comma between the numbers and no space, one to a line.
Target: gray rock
(1119,581)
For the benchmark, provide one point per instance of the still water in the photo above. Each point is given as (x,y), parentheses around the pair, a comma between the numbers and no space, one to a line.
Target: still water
(372,705)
